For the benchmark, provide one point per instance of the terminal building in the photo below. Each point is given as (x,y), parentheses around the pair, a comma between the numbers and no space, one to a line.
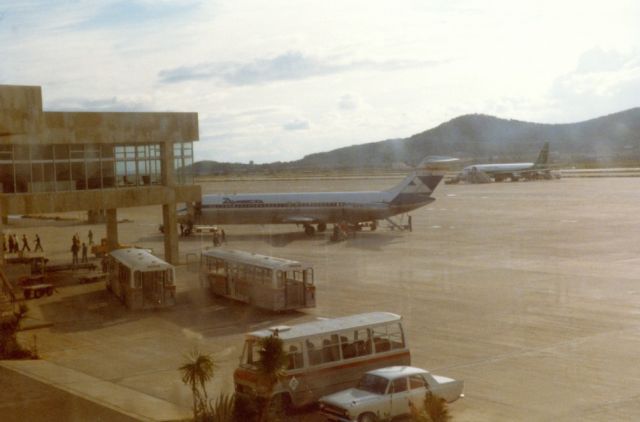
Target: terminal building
(52,162)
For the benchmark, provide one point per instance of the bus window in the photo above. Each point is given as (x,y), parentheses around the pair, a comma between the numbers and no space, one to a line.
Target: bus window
(308,275)
(395,336)
(251,353)
(294,355)
(387,338)
(279,279)
(314,351)
(355,343)
(330,348)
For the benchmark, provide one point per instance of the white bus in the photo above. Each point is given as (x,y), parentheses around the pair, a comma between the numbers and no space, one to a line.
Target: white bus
(264,281)
(325,356)
(139,279)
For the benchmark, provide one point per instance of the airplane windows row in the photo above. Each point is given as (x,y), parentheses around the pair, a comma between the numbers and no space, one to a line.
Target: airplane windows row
(281,205)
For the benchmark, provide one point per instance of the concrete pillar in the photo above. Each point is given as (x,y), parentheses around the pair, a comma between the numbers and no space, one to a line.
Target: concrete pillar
(170,223)
(112,229)
(2,238)
(169,219)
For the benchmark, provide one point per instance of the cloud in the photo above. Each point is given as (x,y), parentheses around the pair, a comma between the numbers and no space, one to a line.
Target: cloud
(348,102)
(296,124)
(602,82)
(292,65)
(599,60)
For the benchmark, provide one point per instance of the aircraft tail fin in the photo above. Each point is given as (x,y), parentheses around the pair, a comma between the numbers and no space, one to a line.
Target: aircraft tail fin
(543,157)
(416,187)
(420,184)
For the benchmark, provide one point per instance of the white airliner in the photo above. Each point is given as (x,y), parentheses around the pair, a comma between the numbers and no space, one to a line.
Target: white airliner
(514,171)
(321,208)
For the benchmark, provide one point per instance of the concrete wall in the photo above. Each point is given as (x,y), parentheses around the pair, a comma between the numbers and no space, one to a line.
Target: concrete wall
(39,203)
(22,120)
(21,116)
(113,128)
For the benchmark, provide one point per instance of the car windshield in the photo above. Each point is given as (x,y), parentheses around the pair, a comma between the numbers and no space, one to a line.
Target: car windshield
(373,384)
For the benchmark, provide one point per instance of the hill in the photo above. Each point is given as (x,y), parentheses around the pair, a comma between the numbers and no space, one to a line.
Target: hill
(608,140)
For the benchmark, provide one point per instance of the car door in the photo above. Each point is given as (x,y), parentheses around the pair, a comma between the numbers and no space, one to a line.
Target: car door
(399,397)
(418,388)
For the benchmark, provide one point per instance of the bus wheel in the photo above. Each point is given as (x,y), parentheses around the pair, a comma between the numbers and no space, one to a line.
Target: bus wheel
(367,417)
(280,405)
(322,227)
(309,230)
(285,403)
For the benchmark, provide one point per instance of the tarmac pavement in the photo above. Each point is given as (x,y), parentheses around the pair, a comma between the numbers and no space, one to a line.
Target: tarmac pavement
(527,291)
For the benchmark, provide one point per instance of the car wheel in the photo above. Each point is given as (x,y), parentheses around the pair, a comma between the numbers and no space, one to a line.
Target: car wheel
(367,417)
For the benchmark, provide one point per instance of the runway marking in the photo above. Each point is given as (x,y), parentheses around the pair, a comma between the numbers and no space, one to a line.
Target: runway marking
(435,227)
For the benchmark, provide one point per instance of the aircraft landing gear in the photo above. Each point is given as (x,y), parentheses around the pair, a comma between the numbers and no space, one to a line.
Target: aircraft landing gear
(322,227)
(309,230)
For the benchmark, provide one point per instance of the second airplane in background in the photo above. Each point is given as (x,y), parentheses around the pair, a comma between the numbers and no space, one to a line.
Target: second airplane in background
(513,171)
(321,208)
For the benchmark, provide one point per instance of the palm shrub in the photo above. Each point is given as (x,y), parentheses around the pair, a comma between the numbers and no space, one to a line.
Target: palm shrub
(273,361)
(222,409)
(435,410)
(195,373)
(10,348)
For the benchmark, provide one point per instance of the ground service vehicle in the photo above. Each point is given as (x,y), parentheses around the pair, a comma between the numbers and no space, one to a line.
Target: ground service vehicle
(102,249)
(387,393)
(324,356)
(140,279)
(264,281)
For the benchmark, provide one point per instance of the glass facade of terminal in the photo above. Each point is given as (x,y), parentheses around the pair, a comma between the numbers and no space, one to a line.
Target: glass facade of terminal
(183,160)
(68,167)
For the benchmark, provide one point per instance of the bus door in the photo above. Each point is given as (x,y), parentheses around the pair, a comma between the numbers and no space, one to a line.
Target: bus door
(294,289)
(232,277)
(309,290)
(152,286)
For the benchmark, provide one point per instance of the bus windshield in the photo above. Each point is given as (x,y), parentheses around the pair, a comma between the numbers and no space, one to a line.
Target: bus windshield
(251,353)
(373,384)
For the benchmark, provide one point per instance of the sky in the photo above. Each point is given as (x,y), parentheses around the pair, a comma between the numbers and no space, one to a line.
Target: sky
(277,80)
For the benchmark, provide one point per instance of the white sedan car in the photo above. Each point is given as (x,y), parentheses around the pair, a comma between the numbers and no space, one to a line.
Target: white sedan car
(386,393)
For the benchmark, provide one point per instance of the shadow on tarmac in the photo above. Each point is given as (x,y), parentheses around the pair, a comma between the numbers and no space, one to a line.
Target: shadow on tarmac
(196,310)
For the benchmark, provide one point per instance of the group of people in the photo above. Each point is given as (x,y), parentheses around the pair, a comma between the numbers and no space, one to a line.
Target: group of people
(78,246)
(13,245)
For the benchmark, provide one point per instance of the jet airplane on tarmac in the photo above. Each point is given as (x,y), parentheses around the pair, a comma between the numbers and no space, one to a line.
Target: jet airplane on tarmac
(513,171)
(356,209)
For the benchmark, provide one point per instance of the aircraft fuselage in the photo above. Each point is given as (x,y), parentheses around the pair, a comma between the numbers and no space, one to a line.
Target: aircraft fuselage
(303,208)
